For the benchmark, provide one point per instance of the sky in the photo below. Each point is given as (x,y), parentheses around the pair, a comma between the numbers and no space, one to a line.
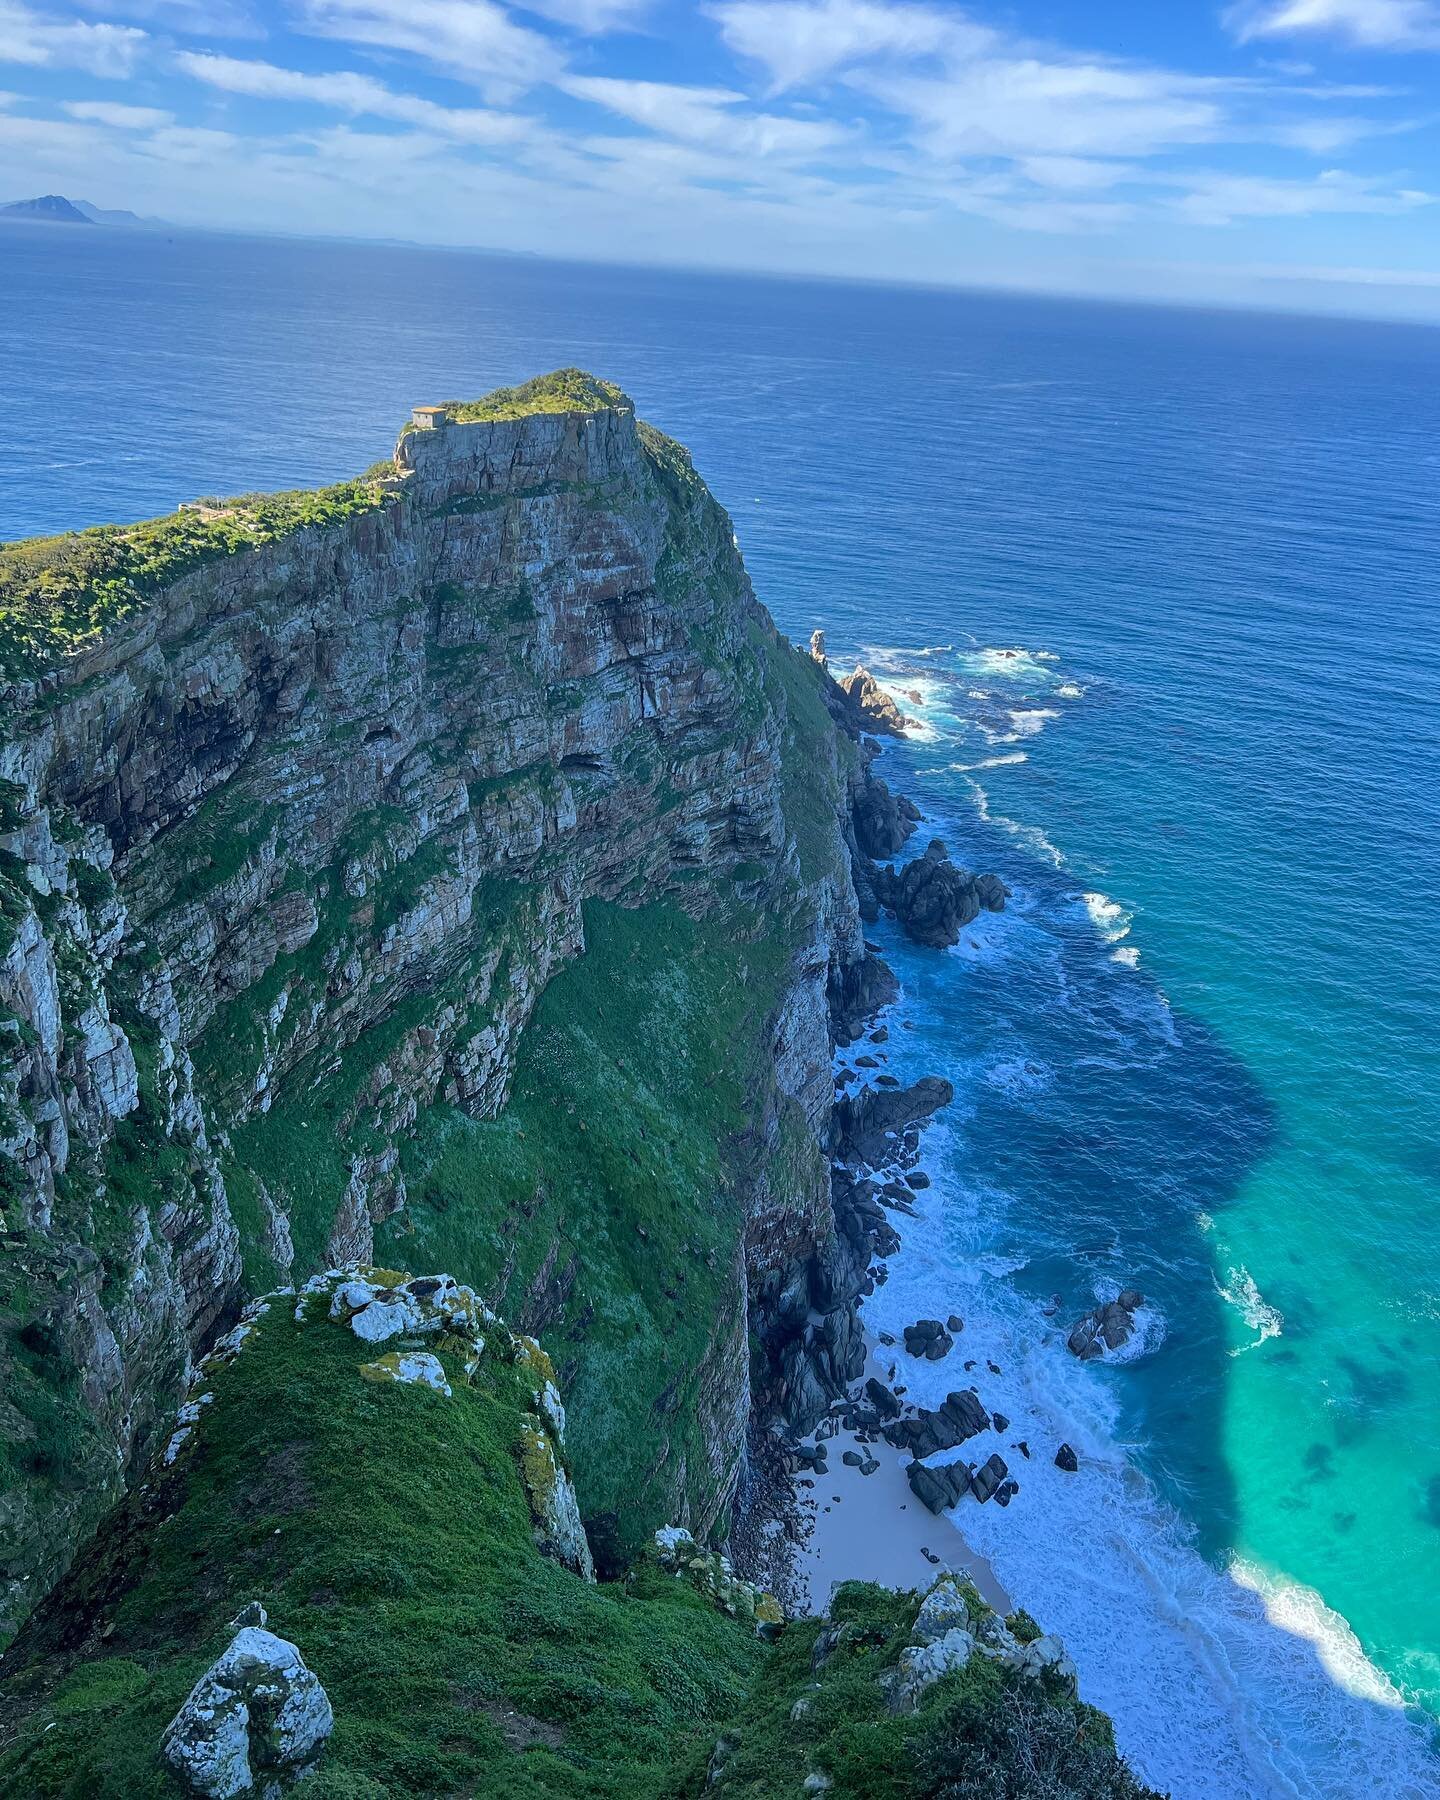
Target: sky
(1279,151)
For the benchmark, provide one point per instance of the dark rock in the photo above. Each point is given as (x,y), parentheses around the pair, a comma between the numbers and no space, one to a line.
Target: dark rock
(939,1488)
(852,1459)
(1105,1327)
(870,1465)
(1024,1449)
(954,1323)
(1006,1492)
(999,1421)
(865,1124)
(933,899)
(1130,1300)
(917,1179)
(960,1417)
(1066,1459)
(882,820)
(882,1399)
(988,1477)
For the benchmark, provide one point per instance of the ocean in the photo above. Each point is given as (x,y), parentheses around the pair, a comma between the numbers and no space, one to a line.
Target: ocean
(1165,583)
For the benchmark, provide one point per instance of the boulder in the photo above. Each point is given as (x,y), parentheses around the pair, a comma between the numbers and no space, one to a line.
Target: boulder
(940,1487)
(1105,1327)
(988,1478)
(943,1609)
(883,821)
(257,1711)
(922,1665)
(1066,1459)
(928,1338)
(960,1416)
(882,1399)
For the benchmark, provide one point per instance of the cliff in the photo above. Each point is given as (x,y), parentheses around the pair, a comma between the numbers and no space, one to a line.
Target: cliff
(446,868)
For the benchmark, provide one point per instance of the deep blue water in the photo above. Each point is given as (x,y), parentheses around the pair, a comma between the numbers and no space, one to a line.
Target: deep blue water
(1197,1053)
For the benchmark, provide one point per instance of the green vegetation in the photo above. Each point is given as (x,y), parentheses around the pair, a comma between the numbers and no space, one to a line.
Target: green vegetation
(388,1533)
(58,594)
(982,1731)
(562,391)
(607,1198)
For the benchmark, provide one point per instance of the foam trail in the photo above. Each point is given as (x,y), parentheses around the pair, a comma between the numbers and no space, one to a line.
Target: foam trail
(1239,1290)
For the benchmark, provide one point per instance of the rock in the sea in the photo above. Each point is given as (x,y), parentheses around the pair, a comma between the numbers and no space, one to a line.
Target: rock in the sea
(1105,1327)
(933,899)
(876,710)
(869,1126)
(256,1712)
(1066,1459)
(928,1338)
(989,1477)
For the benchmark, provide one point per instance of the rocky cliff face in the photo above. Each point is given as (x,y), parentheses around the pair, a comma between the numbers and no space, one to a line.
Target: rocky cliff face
(299,863)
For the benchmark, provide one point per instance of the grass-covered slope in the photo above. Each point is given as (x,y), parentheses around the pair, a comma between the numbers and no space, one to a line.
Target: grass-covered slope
(388,1532)
(824,1710)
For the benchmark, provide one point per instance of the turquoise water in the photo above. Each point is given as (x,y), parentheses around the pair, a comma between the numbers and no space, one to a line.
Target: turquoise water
(1198,1051)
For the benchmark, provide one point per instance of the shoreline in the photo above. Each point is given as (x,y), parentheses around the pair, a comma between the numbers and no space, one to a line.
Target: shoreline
(872,1528)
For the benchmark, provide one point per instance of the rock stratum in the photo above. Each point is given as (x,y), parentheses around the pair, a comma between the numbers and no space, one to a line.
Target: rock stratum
(450,870)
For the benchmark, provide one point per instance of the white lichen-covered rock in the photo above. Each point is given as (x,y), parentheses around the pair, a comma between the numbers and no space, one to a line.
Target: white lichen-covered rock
(922,1665)
(943,1609)
(1044,1657)
(677,1552)
(411,1368)
(558,1528)
(257,1712)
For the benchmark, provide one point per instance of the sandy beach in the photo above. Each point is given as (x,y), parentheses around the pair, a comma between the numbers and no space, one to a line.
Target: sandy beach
(872,1528)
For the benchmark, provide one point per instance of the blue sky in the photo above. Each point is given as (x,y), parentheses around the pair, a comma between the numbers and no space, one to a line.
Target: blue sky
(1279,150)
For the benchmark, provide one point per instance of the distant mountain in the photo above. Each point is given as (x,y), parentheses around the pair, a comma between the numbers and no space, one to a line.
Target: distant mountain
(51,209)
(110,215)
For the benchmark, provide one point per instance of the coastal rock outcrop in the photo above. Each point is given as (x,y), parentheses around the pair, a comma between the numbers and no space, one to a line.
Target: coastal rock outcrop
(870,1126)
(933,899)
(1108,1326)
(873,707)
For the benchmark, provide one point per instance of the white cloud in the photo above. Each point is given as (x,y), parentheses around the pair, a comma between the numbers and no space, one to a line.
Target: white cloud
(707,116)
(1221,198)
(473,40)
(349,91)
(33,38)
(995,106)
(118,116)
(592,17)
(1368,24)
(802,41)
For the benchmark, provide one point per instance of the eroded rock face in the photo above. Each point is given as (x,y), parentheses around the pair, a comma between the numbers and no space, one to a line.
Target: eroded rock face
(934,900)
(257,1719)
(883,821)
(358,784)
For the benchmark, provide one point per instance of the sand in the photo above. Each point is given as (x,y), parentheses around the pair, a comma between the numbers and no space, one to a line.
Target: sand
(872,1528)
